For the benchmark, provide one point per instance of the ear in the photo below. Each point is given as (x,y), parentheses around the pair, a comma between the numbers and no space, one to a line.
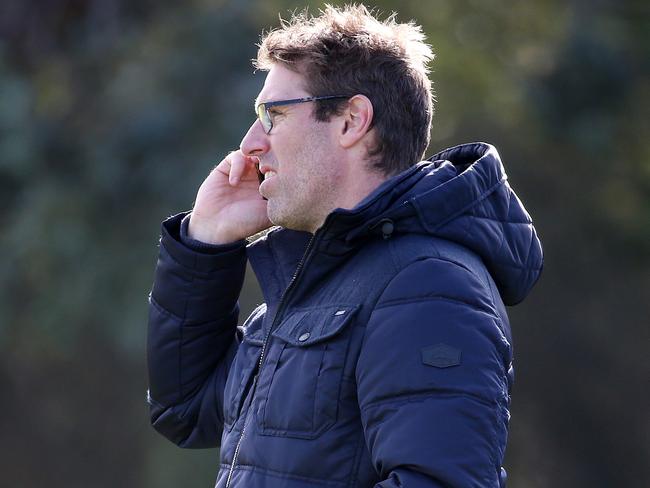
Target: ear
(356,121)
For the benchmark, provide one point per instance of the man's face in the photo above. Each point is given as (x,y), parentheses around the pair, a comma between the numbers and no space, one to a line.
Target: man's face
(299,158)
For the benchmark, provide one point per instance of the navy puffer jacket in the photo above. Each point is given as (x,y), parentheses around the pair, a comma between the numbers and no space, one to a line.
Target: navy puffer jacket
(382,355)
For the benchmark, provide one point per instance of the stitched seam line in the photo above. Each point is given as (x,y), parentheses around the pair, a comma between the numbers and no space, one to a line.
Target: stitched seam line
(354,475)
(407,397)
(162,309)
(502,221)
(425,298)
(462,210)
(193,269)
(166,312)
(180,338)
(283,475)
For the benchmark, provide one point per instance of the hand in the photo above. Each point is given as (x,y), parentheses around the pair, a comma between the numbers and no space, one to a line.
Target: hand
(228,204)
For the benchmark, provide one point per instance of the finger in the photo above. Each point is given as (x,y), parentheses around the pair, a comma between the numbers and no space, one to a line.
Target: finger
(238,165)
(224,166)
(252,168)
(244,168)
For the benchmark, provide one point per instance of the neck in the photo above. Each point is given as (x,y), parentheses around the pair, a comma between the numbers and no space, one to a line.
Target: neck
(354,188)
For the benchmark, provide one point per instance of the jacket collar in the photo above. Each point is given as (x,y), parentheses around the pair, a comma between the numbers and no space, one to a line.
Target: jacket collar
(460,194)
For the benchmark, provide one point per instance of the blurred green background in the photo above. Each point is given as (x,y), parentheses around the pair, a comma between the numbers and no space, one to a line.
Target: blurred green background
(111,114)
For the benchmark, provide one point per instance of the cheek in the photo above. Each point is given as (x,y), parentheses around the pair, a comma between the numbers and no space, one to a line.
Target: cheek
(295,172)
(305,166)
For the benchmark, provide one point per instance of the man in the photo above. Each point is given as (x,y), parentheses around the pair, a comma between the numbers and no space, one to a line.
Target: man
(382,354)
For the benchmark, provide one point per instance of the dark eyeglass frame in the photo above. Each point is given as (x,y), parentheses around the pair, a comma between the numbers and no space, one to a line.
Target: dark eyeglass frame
(262,109)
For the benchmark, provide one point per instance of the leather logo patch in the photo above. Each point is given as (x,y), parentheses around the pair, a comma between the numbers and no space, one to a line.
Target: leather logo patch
(441,355)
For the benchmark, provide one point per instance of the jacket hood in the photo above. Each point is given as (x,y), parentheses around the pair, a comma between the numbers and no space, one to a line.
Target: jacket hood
(460,194)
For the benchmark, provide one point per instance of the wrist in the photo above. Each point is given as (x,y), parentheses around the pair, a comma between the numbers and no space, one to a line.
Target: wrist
(207,232)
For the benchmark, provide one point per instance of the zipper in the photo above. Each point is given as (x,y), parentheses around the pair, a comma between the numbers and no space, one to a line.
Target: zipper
(278,314)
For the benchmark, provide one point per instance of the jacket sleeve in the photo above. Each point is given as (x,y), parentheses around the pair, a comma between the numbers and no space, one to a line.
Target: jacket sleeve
(192,339)
(432,380)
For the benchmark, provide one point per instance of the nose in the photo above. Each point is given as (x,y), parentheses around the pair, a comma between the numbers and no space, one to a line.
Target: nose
(256,141)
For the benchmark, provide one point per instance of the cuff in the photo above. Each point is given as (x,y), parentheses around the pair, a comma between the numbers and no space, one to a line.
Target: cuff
(196,254)
(200,246)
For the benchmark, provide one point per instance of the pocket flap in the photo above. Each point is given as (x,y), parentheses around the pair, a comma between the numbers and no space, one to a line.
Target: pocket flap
(309,326)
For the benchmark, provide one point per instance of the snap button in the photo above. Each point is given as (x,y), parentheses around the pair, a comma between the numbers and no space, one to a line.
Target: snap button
(340,312)
(304,337)
(387,228)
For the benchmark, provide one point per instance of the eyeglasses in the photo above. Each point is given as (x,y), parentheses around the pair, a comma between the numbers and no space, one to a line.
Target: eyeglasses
(262,109)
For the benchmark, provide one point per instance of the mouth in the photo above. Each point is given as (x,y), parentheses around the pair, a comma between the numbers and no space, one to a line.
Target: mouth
(266,172)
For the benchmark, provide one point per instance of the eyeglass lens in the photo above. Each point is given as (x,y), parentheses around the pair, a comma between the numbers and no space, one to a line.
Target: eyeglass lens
(263,115)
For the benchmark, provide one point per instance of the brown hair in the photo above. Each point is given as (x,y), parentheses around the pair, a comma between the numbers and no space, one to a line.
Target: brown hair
(347,51)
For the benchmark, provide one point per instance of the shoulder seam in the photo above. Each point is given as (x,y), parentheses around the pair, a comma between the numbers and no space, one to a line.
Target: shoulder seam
(427,258)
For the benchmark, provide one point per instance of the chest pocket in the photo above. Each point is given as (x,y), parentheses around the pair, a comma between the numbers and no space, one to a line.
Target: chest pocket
(304,370)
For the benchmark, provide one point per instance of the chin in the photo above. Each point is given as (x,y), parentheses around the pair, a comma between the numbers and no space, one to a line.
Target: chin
(286,221)
(288,217)
(275,215)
